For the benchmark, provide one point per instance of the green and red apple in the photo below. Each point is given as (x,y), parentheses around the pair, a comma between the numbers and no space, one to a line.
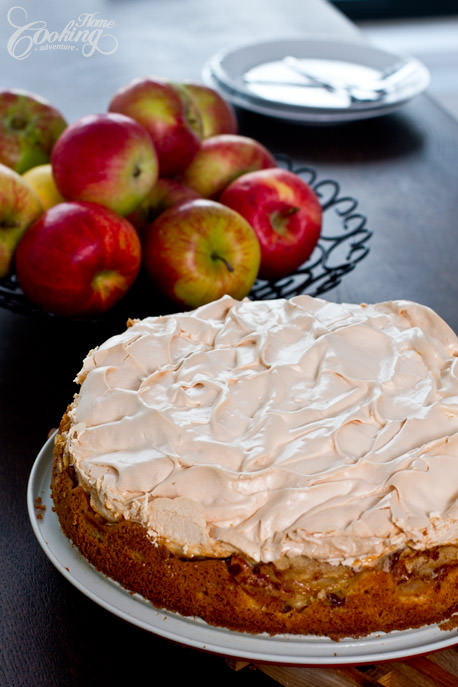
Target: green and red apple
(78,258)
(168,114)
(29,128)
(218,116)
(285,214)
(223,158)
(19,207)
(199,251)
(105,158)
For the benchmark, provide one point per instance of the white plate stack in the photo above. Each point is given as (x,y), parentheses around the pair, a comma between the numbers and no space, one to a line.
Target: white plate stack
(318,81)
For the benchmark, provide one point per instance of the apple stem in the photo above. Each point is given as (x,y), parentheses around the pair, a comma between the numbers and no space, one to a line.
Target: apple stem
(279,218)
(290,211)
(215,256)
(18,122)
(5,224)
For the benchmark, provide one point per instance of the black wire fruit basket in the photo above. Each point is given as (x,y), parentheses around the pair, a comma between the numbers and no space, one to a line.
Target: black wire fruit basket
(344,242)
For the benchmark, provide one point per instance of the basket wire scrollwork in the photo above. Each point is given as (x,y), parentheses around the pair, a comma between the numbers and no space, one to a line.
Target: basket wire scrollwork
(342,245)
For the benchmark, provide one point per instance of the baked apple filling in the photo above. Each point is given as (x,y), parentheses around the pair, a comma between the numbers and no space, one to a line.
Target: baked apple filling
(302,581)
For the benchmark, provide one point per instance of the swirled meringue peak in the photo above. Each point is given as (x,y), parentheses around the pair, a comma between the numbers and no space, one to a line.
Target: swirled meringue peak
(276,428)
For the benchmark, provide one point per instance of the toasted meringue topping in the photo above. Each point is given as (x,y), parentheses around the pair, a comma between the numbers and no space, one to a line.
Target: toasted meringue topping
(276,428)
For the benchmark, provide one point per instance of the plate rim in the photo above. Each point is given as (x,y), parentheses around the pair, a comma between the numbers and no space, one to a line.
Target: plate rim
(287,650)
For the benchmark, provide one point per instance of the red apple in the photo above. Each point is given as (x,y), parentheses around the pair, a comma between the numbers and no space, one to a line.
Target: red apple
(199,251)
(29,128)
(170,117)
(19,207)
(285,214)
(221,159)
(107,159)
(166,193)
(78,258)
(218,116)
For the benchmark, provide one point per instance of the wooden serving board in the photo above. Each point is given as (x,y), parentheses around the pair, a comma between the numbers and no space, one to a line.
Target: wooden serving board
(439,669)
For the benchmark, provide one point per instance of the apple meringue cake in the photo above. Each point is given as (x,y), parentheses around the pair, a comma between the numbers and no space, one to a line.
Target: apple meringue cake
(285,466)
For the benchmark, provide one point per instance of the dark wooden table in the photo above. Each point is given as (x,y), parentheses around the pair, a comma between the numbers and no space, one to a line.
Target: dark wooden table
(402,169)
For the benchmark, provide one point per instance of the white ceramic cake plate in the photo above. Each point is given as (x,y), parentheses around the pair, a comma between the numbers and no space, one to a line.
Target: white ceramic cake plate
(280,649)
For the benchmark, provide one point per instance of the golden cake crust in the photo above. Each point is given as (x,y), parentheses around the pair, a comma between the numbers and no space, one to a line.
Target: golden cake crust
(407,589)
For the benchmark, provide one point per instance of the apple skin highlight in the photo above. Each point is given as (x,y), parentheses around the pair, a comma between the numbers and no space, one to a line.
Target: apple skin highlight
(107,159)
(223,158)
(29,128)
(19,207)
(218,116)
(79,258)
(199,251)
(174,125)
(285,214)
